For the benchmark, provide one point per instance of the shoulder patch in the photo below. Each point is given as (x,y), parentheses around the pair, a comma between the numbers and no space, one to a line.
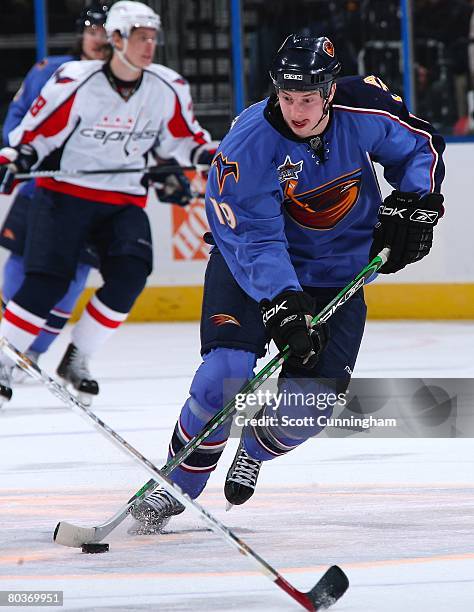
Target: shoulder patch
(377,82)
(62,79)
(224,169)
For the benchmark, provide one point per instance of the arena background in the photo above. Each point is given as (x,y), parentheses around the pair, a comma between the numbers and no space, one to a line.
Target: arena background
(422,49)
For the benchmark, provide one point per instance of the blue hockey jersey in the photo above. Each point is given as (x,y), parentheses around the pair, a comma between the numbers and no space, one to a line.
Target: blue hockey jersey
(26,95)
(30,89)
(287,212)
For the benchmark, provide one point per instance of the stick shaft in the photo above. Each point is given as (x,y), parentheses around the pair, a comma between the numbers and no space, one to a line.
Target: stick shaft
(59,391)
(102,530)
(163,169)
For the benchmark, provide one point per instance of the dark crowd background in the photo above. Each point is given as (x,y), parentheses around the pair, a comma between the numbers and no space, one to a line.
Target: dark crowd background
(366,34)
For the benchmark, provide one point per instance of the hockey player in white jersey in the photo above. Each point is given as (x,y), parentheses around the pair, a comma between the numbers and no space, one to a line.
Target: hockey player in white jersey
(96,115)
(91,43)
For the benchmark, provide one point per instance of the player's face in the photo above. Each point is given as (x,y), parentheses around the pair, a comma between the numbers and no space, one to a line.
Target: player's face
(141,46)
(94,40)
(301,110)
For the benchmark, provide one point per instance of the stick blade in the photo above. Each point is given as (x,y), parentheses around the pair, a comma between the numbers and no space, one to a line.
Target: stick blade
(329,588)
(67,534)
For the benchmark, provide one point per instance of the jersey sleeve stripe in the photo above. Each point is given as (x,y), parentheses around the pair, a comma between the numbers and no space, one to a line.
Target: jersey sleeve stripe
(423,133)
(179,127)
(53,124)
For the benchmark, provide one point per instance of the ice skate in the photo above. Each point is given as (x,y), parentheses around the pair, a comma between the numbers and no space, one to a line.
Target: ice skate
(241,478)
(5,383)
(74,370)
(154,512)
(19,376)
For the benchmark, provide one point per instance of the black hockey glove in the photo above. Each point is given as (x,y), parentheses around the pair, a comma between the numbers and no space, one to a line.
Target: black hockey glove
(13,160)
(288,318)
(406,224)
(172,188)
(204,154)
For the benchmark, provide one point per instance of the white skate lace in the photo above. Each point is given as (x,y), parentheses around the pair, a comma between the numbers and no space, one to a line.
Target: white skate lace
(246,470)
(161,501)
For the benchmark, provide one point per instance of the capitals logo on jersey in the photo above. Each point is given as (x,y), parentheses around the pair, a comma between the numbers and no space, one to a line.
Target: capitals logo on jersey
(323,207)
(225,168)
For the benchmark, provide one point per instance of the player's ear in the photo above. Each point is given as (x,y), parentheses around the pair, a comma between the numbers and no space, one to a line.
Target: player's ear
(333,91)
(117,40)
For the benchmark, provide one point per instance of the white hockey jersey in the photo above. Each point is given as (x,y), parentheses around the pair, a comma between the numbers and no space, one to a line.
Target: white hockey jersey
(81,119)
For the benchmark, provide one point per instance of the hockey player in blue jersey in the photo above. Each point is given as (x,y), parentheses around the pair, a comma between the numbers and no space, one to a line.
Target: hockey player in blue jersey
(295,212)
(91,44)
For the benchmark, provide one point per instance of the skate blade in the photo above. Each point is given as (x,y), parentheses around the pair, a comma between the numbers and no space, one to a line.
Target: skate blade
(144,529)
(85,398)
(19,377)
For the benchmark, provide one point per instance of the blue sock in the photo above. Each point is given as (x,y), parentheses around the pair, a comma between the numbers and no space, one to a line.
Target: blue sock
(219,377)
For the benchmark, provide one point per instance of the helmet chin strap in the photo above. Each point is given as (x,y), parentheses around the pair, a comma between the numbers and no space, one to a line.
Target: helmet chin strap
(123,58)
(325,110)
(324,115)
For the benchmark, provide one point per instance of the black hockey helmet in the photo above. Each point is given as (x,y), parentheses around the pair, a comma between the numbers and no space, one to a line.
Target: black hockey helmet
(305,63)
(93,15)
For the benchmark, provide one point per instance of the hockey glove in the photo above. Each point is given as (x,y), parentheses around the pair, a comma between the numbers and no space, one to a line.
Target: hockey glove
(172,188)
(406,224)
(204,154)
(13,160)
(287,318)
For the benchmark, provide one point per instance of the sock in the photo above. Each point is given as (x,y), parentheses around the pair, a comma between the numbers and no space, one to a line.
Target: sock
(97,323)
(19,326)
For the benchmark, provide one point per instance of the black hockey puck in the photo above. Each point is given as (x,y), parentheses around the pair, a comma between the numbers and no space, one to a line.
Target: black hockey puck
(95,548)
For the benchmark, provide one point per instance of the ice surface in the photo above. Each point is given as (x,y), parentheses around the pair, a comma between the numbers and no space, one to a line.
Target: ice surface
(396,514)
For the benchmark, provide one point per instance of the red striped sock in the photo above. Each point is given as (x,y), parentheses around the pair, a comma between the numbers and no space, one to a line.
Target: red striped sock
(97,323)
(20,326)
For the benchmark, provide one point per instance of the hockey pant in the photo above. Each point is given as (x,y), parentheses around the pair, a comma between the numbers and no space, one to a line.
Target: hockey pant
(13,277)
(59,228)
(27,311)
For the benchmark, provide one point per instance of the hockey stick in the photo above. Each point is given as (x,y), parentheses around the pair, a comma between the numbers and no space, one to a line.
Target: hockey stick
(68,534)
(327,590)
(163,169)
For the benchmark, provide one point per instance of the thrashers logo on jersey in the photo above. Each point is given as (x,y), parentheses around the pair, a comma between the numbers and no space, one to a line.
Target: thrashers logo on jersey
(224,319)
(323,207)
(225,168)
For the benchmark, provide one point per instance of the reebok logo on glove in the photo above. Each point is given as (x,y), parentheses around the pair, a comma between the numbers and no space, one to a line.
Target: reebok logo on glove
(424,216)
(406,229)
(271,312)
(392,212)
(288,319)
